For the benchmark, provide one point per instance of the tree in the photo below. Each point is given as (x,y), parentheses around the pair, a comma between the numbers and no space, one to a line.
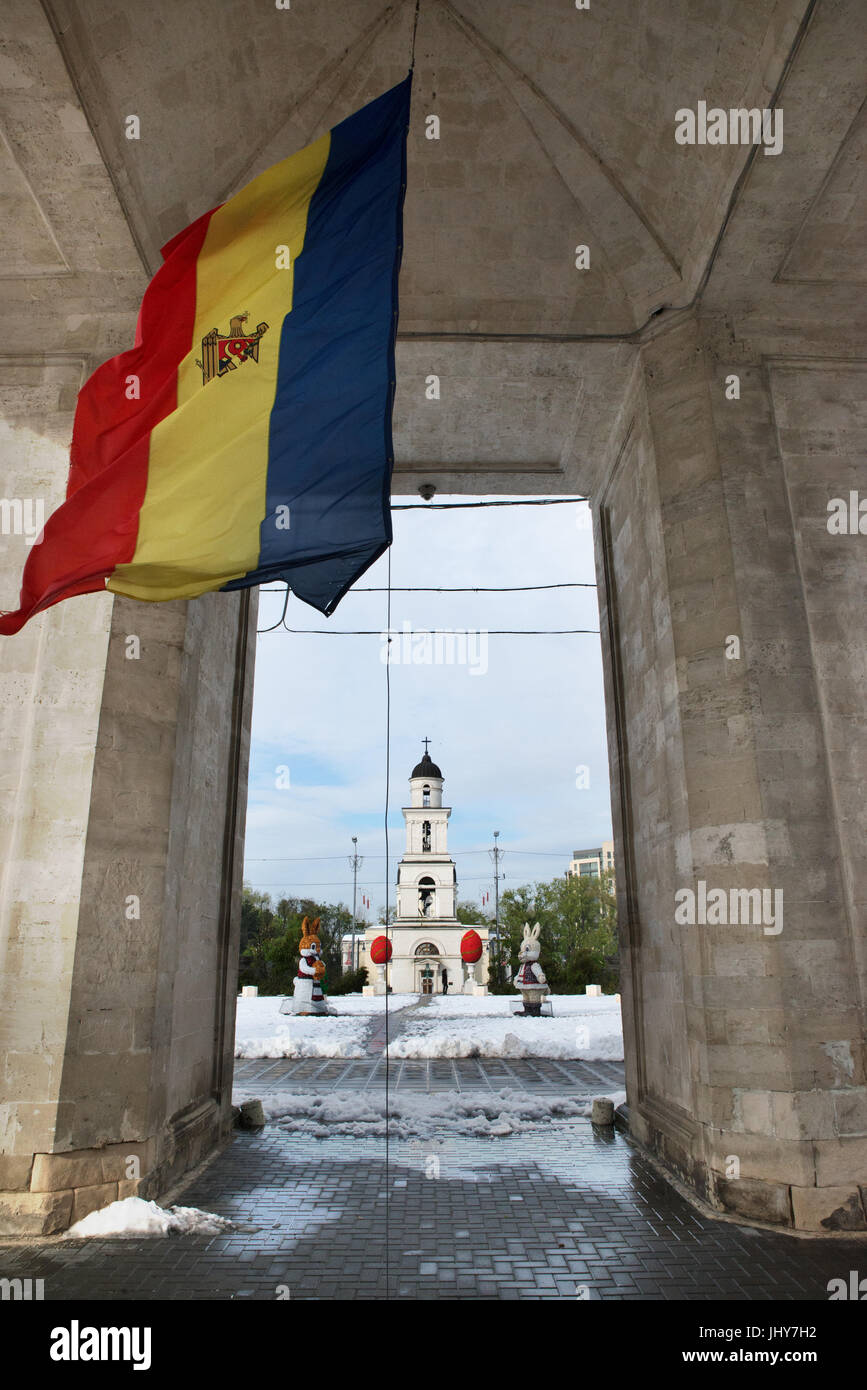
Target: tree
(270,939)
(578,938)
(257,928)
(472,916)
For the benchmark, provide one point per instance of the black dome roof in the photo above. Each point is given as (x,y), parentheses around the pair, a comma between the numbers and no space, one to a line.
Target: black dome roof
(426,768)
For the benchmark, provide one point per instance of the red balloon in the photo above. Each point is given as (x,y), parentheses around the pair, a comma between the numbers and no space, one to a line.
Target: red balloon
(380,950)
(471,947)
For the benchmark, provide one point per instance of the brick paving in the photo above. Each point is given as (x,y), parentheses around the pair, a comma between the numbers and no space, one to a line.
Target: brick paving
(541,1216)
(540,1075)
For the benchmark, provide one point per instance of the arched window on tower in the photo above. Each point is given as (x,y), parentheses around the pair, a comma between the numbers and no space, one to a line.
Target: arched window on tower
(425,796)
(426,897)
(425,837)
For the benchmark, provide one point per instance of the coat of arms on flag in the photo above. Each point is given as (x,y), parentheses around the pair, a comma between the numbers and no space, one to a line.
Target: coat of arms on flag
(222,352)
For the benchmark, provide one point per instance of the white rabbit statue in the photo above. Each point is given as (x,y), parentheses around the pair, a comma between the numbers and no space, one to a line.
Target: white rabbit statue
(530,977)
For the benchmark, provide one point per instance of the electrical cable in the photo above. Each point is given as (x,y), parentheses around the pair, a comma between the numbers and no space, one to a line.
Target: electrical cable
(458,506)
(445,632)
(498,589)
(281,621)
(387,882)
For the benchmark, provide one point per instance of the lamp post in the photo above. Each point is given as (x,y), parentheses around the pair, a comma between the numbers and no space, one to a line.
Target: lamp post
(495,856)
(355,863)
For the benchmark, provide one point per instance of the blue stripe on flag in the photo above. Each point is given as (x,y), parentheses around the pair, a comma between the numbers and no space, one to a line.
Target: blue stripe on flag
(331,453)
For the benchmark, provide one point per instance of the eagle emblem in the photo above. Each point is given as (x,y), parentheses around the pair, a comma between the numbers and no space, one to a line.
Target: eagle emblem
(223,352)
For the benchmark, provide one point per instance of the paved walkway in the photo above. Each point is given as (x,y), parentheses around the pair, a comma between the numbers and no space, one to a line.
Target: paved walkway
(540,1216)
(540,1075)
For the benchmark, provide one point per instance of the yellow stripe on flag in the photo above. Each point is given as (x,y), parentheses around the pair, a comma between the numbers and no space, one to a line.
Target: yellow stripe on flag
(208,461)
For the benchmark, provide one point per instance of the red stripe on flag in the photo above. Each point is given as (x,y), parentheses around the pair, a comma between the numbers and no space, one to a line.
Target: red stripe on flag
(96,528)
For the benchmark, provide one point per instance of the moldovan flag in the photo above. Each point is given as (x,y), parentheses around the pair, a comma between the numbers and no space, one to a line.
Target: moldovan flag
(247,435)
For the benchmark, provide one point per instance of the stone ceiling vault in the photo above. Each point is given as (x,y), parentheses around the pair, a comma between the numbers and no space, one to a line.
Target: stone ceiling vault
(557,128)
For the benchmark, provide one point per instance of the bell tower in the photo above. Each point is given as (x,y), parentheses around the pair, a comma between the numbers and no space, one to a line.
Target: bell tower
(426,876)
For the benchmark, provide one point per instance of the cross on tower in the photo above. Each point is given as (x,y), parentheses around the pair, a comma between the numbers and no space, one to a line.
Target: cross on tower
(425,741)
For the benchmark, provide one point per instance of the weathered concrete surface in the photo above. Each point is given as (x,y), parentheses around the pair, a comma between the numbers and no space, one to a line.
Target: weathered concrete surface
(745,1051)
(745,1056)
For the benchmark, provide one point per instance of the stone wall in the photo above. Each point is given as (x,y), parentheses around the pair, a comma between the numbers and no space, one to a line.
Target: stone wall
(745,1046)
(51,686)
(142,1065)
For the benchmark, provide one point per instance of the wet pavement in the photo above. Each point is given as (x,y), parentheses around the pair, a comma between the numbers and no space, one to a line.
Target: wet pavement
(563,1212)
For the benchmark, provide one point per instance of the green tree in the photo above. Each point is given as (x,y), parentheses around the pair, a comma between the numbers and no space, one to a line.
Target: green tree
(270,938)
(472,915)
(578,939)
(257,929)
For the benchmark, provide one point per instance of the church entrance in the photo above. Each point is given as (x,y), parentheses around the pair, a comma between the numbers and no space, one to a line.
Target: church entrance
(426,967)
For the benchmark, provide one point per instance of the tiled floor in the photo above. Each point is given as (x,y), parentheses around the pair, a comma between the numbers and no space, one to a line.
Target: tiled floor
(570,1214)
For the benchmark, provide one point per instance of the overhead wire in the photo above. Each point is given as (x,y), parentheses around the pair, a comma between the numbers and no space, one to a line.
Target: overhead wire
(448,632)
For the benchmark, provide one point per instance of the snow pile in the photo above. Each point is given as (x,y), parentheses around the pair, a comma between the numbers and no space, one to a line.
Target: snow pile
(585,1034)
(362,1114)
(262,1031)
(135,1217)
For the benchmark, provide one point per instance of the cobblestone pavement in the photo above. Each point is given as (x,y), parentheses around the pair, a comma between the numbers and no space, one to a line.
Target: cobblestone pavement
(539,1216)
(540,1075)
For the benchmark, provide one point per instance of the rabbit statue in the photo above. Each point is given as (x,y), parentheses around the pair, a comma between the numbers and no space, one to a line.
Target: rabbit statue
(307,990)
(530,977)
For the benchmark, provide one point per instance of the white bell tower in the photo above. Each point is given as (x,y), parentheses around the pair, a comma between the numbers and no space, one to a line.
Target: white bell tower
(426,876)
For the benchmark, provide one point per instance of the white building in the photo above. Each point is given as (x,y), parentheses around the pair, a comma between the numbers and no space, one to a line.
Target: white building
(426,934)
(592,863)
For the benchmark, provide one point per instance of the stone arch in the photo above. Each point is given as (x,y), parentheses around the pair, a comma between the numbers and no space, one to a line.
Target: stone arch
(707,524)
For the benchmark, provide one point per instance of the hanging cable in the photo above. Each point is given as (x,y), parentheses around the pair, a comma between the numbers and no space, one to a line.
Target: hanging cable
(281,621)
(385,827)
(511,589)
(315,858)
(448,632)
(456,506)
(475,589)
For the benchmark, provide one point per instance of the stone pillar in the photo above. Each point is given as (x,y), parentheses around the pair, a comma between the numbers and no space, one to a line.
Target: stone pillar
(125,750)
(745,1044)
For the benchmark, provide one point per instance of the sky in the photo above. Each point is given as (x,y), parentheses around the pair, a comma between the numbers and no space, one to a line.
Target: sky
(511,719)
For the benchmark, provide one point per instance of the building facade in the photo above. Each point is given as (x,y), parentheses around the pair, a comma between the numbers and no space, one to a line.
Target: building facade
(592,863)
(426,934)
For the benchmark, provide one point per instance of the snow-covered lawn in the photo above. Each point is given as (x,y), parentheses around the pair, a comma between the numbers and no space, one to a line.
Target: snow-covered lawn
(460,1025)
(362,1114)
(496,1005)
(262,1031)
(581,1027)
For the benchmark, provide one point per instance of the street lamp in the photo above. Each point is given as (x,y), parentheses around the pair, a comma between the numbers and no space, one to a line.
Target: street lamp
(355,863)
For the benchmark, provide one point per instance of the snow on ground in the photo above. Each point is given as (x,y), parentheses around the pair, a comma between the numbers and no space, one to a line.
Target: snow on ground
(487,1005)
(262,1031)
(581,1028)
(135,1217)
(362,1114)
(460,1025)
